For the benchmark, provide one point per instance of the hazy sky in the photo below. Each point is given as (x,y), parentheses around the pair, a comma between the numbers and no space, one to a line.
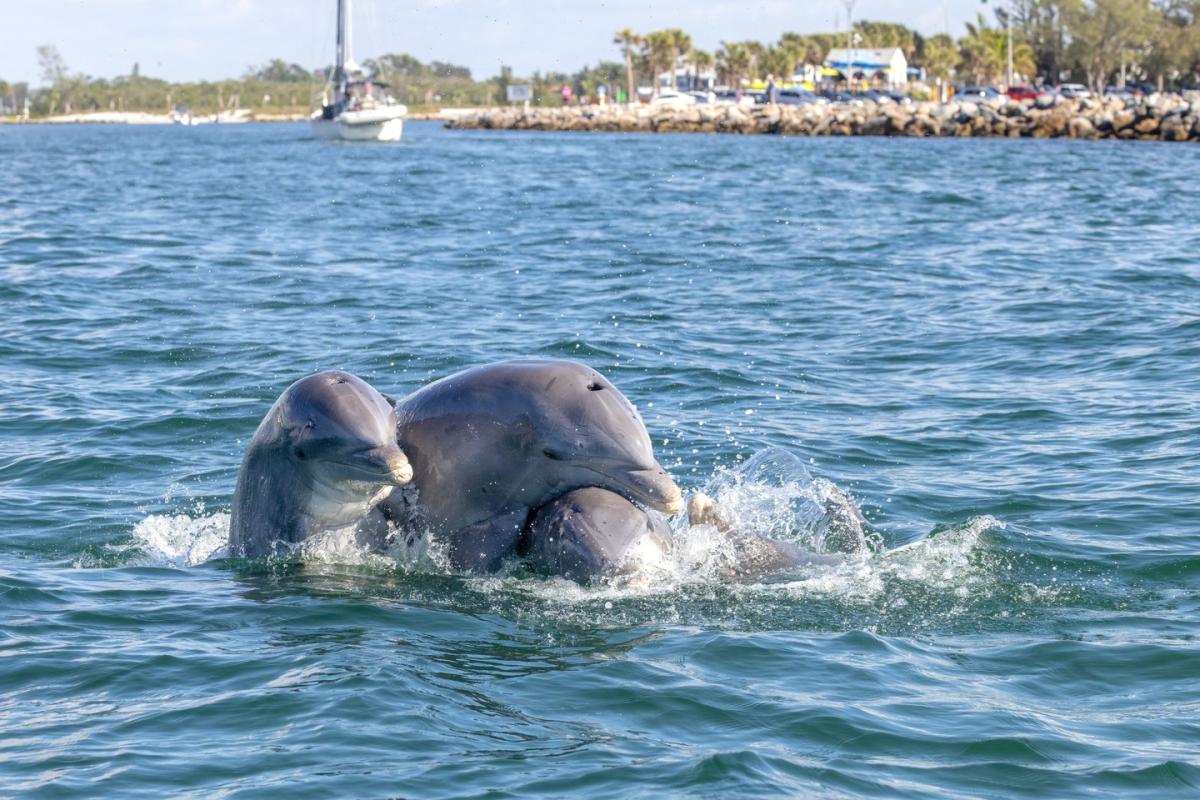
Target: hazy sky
(194,39)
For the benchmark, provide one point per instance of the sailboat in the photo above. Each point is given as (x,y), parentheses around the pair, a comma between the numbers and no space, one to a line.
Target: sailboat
(356,108)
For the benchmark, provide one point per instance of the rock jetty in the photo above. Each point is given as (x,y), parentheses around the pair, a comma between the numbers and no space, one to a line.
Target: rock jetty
(1171,118)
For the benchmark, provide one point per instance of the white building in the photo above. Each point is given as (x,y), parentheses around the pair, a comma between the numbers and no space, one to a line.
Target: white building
(888,64)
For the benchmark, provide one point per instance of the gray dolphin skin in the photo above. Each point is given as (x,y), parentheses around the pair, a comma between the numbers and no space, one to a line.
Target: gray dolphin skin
(321,459)
(491,444)
(592,533)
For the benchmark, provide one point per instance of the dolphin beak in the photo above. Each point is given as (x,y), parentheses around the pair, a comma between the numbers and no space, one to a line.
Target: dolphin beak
(650,487)
(391,462)
(402,471)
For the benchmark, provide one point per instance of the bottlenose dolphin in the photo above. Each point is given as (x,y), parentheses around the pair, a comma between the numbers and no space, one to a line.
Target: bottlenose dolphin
(594,533)
(322,458)
(491,444)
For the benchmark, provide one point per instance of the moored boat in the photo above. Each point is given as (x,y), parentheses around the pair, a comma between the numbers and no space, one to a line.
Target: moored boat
(356,108)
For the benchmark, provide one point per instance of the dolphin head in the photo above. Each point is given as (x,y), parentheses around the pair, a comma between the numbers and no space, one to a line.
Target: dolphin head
(339,430)
(589,434)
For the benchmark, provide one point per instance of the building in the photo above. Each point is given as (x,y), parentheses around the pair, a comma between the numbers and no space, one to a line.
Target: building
(887,65)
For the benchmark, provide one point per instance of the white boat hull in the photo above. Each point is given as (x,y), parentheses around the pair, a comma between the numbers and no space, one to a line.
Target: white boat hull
(372,125)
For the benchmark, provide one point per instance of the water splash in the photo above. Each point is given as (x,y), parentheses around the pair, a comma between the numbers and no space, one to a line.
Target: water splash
(771,495)
(181,540)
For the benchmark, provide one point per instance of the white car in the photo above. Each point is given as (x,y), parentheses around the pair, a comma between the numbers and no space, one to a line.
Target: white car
(672,99)
(1074,90)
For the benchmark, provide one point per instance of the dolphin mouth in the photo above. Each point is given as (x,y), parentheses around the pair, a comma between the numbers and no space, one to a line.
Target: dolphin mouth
(381,464)
(651,487)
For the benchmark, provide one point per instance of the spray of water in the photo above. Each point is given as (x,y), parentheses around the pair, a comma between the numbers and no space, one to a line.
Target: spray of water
(772,495)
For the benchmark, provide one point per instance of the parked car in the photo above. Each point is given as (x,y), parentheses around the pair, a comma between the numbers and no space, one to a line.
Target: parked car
(798,97)
(1023,92)
(900,98)
(879,98)
(1141,87)
(975,94)
(733,97)
(670,98)
(1074,90)
(839,97)
(1119,92)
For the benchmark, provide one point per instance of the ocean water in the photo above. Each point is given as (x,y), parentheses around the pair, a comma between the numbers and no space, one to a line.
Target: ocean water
(992,346)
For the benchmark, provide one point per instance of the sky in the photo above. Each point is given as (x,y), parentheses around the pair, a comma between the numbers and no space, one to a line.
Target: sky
(183,40)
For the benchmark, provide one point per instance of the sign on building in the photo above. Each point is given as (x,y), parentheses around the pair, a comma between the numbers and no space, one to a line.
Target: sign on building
(519,92)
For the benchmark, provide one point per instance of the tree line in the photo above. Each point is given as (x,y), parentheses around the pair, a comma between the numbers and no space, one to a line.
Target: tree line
(1097,42)
(275,87)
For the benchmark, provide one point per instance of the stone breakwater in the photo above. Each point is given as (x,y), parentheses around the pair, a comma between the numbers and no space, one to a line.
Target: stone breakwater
(1156,117)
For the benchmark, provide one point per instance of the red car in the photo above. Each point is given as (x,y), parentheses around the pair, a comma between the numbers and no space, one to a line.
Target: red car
(1023,92)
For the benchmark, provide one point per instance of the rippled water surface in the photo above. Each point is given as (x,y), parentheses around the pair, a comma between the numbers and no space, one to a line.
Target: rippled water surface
(992,345)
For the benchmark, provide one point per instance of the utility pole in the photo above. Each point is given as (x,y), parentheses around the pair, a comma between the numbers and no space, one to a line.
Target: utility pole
(1008,15)
(849,4)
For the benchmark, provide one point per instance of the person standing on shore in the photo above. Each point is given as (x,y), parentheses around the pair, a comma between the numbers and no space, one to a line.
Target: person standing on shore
(771,89)
(566,94)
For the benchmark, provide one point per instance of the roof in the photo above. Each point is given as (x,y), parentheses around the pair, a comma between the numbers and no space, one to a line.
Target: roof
(864,58)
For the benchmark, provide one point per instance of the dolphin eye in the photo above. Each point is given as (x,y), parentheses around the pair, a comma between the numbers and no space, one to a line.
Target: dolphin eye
(550,454)
(594,386)
(300,456)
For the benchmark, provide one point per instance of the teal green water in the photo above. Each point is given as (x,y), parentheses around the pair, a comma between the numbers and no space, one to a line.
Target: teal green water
(991,345)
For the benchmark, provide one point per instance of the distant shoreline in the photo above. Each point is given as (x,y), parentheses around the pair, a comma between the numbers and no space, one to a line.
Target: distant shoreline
(145,118)
(1155,118)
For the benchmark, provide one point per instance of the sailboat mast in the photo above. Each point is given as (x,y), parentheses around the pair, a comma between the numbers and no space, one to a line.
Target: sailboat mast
(339,69)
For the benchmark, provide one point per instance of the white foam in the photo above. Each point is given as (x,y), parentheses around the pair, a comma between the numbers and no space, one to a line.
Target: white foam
(181,540)
(772,495)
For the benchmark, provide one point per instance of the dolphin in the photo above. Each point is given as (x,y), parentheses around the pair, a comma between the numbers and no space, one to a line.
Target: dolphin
(593,533)
(321,460)
(491,444)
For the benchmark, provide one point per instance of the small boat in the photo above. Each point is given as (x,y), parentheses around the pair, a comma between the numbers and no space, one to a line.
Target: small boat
(356,109)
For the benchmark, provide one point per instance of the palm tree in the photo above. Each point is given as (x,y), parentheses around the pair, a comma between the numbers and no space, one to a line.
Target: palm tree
(757,52)
(628,40)
(733,62)
(812,48)
(940,56)
(702,61)
(659,48)
(984,53)
(681,44)
(785,56)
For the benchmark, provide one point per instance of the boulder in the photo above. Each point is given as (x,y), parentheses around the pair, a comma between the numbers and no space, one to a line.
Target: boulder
(1173,129)
(1080,127)
(875,125)
(1146,126)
